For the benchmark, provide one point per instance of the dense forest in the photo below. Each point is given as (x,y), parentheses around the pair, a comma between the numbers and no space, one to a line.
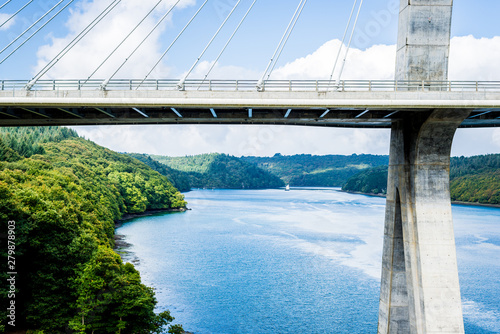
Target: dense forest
(317,170)
(60,196)
(221,171)
(369,181)
(475,179)
(472,179)
(178,178)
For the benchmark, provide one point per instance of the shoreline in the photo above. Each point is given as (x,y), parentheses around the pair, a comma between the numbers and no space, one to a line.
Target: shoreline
(362,193)
(486,205)
(121,245)
(119,240)
(146,213)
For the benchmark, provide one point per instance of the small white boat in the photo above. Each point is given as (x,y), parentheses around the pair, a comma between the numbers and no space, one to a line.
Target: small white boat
(287,188)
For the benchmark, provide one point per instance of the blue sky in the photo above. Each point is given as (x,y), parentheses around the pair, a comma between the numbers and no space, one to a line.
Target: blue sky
(255,42)
(309,53)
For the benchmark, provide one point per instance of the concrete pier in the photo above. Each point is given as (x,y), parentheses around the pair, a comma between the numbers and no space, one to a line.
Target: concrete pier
(420,290)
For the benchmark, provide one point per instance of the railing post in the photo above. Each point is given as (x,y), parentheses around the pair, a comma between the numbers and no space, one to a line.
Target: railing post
(236,85)
(157,85)
(477,86)
(449,83)
(3,82)
(317,88)
(343,85)
(290,85)
(369,85)
(209,84)
(396,86)
(79,85)
(130,84)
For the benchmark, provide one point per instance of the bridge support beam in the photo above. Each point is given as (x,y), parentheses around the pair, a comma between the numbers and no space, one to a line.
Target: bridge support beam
(420,291)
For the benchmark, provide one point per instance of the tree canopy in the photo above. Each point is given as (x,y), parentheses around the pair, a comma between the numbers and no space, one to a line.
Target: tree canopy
(317,170)
(217,170)
(65,194)
(472,179)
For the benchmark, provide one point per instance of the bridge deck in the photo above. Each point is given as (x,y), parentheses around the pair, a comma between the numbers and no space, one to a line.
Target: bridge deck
(312,103)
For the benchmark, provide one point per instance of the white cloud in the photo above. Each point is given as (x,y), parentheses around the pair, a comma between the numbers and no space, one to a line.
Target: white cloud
(469,142)
(496,138)
(179,140)
(475,59)
(222,72)
(470,59)
(376,62)
(4,17)
(88,54)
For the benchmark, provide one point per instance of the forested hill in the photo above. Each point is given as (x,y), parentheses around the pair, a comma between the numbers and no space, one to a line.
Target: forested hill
(476,179)
(221,171)
(472,179)
(60,196)
(317,170)
(179,179)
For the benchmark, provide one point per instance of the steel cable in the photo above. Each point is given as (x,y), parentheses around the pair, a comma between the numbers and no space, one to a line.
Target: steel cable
(180,84)
(286,40)
(349,44)
(227,43)
(13,15)
(2,6)
(123,41)
(105,82)
(34,33)
(77,39)
(31,26)
(343,39)
(171,44)
(260,82)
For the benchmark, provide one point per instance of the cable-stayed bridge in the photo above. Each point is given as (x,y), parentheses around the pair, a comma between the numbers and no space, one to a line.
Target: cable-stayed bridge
(373,103)
(420,291)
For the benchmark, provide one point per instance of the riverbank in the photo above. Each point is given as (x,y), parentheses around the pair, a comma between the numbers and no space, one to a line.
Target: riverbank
(120,244)
(361,193)
(476,204)
(146,213)
(452,202)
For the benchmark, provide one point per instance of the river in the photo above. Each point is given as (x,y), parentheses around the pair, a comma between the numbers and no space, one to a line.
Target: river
(299,261)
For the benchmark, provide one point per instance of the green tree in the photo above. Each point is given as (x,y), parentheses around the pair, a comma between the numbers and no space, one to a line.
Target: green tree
(112,299)
(65,199)
(221,171)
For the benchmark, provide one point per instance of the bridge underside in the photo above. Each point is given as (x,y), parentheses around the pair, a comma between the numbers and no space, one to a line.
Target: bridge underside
(331,109)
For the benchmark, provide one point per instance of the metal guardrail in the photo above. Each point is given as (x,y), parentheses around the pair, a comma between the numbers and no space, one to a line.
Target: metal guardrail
(251,85)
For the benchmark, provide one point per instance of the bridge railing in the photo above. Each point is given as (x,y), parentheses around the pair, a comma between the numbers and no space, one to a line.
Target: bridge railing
(251,85)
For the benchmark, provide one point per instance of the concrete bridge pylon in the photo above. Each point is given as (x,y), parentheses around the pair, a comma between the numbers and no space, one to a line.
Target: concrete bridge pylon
(420,290)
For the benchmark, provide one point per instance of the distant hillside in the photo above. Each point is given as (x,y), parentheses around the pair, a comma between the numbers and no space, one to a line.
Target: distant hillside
(179,179)
(475,179)
(317,170)
(472,179)
(221,171)
(369,181)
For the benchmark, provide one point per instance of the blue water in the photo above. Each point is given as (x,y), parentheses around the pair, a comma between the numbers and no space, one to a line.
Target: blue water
(303,261)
